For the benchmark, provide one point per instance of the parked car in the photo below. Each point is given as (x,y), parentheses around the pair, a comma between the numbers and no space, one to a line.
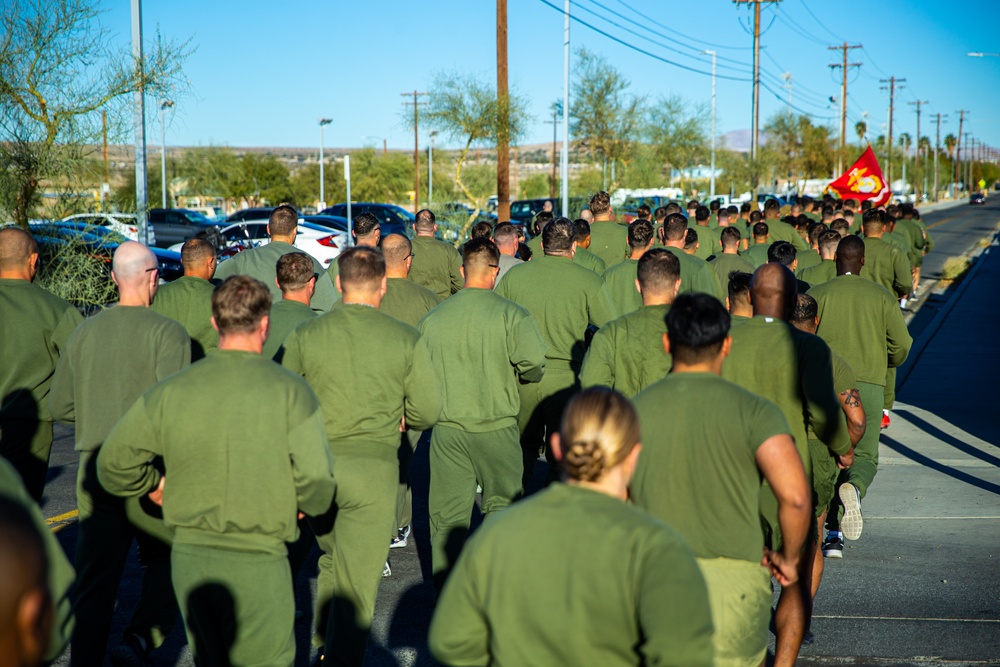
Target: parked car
(123,223)
(323,243)
(392,219)
(176,225)
(256,213)
(977,198)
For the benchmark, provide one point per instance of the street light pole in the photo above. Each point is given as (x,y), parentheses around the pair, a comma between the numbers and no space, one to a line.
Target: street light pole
(564,164)
(139,116)
(430,172)
(711,188)
(322,185)
(163,149)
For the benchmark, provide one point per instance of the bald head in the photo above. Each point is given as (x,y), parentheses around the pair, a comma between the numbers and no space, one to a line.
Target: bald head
(18,254)
(773,291)
(134,271)
(397,250)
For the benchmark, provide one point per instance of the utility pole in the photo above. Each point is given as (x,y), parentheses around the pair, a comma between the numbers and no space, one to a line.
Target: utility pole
(967,176)
(893,87)
(754,132)
(711,187)
(139,116)
(844,66)
(554,180)
(937,150)
(916,165)
(416,147)
(503,100)
(958,152)
(564,163)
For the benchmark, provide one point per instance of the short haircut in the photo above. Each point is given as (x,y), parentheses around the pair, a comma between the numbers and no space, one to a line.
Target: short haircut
(396,249)
(827,212)
(582,228)
(692,204)
(715,205)
(815,229)
(892,210)
(690,238)
(239,304)
(293,270)
(851,248)
(851,204)
(481,229)
(829,240)
(772,204)
(600,203)
(675,227)
(722,213)
(841,226)
(730,236)
(643,212)
(866,204)
(660,213)
(658,270)
(760,230)
(697,325)
(806,309)
(640,233)
(873,221)
(425,220)
(505,232)
(558,236)
(734,210)
(283,221)
(362,268)
(745,207)
(196,251)
(599,429)
(781,252)
(756,216)
(702,213)
(673,207)
(739,287)
(365,224)
(16,246)
(542,219)
(480,253)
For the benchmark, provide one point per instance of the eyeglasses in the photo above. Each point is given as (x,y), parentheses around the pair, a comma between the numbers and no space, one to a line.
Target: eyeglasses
(155,268)
(493,266)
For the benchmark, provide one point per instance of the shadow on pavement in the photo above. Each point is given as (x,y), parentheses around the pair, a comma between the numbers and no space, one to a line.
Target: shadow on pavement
(947,438)
(917,457)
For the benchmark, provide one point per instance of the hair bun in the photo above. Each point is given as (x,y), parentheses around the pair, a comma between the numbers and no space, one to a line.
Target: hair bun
(585,460)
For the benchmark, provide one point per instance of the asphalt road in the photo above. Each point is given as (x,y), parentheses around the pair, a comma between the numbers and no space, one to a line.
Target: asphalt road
(915,560)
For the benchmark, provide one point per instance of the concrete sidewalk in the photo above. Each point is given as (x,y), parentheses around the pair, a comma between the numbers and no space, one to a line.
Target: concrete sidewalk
(922,585)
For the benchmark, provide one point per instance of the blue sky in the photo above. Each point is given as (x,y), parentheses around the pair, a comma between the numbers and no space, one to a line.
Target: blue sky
(264,71)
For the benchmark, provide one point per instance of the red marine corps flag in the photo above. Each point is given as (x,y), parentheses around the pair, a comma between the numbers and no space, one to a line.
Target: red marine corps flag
(863,180)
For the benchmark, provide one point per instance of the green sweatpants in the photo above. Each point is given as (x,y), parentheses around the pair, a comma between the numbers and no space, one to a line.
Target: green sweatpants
(865,465)
(404,497)
(238,606)
(460,460)
(27,443)
(354,538)
(889,391)
(824,475)
(108,524)
(542,405)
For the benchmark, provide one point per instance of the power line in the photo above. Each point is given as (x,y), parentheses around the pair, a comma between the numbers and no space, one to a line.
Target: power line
(821,24)
(676,32)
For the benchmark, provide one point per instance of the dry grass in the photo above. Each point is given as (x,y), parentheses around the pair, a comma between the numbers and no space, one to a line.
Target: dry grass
(954,268)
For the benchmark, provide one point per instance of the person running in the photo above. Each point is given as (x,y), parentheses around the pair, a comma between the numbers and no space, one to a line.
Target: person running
(232,482)
(621,277)
(505,236)
(696,274)
(435,263)
(34,326)
(109,362)
(827,268)
(794,370)
(702,475)
(188,299)
(583,256)
(565,299)
(738,301)
(609,240)
(756,254)
(860,320)
(477,339)
(380,382)
(729,259)
(626,353)
(884,264)
(297,282)
(524,592)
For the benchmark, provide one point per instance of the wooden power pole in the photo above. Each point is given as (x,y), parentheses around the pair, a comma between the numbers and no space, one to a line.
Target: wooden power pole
(416,146)
(845,47)
(916,165)
(958,152)
(503,135)
(893,87)
(937,151)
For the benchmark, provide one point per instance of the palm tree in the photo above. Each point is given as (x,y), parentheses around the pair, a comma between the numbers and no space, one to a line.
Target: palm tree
(905,141)
(950,142)
(861,129)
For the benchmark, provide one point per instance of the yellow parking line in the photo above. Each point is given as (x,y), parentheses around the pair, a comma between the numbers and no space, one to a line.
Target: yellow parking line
(61,521)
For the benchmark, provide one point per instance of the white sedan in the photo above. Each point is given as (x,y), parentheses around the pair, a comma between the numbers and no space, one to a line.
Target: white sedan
(123,223)
(323,243)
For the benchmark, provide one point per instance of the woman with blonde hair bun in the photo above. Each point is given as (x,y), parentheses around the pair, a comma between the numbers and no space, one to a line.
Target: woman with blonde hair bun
(575,575)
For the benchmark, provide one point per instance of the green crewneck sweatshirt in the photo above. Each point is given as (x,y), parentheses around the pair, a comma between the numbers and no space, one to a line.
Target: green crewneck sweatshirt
(236,474)
(261,263)
(627,354)
(620,280)
(189,301)
(481,346)
(609,241)
(697,275)
(285,316)
(407,301)
(436,266)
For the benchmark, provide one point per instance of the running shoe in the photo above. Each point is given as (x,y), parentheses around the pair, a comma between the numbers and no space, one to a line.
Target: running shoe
(851,523)
(399,541)
(885,420)
(833,547)
(386,571)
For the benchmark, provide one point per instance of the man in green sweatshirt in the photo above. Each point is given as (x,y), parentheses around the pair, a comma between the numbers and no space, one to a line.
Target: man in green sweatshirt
(232,483)
(34,327)
(696,274)
(884,264)
(564,299)
(626,354)
(772,359)
(505,236)
(701,475)
(756,254)
(436,264)
(621,277)
(477,340)
(259,263)
(608,239)
(812,257)
(583,256)
(861,322)
(380,383)
(827,268)
(779,230)
(189,298)
(297,282)
(729,259)
(366,231)
(109,362)
(738,302)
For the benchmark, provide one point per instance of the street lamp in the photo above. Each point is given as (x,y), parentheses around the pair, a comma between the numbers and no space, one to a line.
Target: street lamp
(430,172)
(322,191)
(711,188)
(166,104)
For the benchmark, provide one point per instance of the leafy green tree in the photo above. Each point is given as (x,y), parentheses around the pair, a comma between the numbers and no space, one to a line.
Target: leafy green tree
(59,68)
(534,186)
(678,133)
